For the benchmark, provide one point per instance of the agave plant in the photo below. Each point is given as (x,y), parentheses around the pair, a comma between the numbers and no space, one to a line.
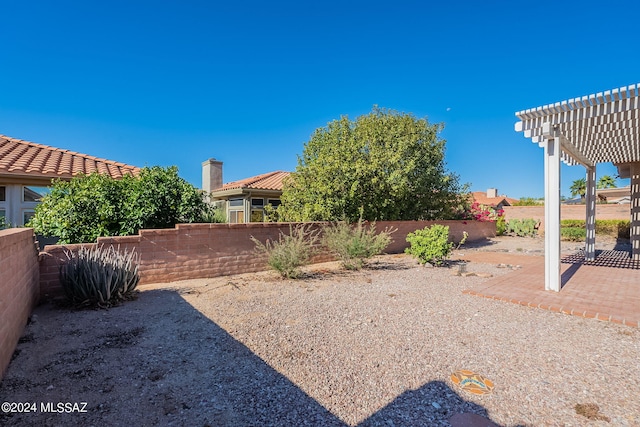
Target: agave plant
(99,276)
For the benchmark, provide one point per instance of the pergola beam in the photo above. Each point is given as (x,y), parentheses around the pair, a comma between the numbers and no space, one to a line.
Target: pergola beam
(602,127)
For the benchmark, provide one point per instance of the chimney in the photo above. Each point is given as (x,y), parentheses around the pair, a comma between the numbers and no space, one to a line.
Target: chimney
(211,175)
(492,192)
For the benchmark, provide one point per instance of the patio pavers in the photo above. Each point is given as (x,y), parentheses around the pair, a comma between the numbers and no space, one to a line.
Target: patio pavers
(606,289)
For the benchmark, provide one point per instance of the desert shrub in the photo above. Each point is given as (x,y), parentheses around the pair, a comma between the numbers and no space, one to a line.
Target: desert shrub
(430,245)
(522,227)
(573,234)
(99,276)
(354,244)
(289,252)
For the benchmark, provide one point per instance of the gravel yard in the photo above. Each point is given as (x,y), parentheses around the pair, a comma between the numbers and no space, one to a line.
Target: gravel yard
(375,347)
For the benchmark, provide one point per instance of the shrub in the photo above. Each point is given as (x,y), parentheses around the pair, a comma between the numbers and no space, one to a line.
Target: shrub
(99,276)
(4,223)
(485,213)
(501,225)
(354,244)
(573,234)
(90,206)
(290,252)
(611,227)
(430,245)
(529,201)
(522,227)
(213,215)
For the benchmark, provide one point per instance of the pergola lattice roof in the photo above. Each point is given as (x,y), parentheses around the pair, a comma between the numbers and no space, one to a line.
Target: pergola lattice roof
(602,127)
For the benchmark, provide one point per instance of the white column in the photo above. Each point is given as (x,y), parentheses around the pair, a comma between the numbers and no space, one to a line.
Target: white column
(635,211)
(552,214)
(590,220)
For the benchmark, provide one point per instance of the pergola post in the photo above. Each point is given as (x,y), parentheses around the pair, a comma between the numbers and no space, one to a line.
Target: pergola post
(590,220)
(552,214)
(635,211)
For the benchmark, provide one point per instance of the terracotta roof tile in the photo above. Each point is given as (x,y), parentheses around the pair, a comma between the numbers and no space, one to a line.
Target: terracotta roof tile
(266,181)
(24,158)
(481,197)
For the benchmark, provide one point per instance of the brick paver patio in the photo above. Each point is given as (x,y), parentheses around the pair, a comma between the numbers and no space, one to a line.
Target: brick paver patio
(606,289)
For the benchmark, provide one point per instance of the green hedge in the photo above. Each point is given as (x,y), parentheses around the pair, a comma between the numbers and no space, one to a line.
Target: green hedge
(611,227)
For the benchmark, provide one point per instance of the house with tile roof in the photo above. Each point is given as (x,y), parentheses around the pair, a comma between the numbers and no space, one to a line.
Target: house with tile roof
(491,198)
(243,200)
(27,170)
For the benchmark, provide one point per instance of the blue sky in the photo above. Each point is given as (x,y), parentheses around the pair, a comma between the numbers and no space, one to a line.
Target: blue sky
(178,82)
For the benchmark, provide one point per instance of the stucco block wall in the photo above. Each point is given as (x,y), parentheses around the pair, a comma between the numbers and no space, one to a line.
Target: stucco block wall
(603,211)
(19,287)
(191,251)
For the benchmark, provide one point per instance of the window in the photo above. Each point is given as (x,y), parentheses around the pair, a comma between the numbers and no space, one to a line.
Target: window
(33,194)
(236,202)
(274,202)
(3,193)
(27,215)
(257,203)
(257,216)
(236,217)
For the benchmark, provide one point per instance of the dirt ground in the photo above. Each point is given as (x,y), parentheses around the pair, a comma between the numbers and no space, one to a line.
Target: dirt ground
(138,363)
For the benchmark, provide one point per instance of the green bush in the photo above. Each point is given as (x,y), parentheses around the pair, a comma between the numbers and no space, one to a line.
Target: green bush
(90,206)
(99,276)
(354,244)
(290,252)
(611,227)
(522,227)
(573,234)
(501,225)
(430,245)
(213,215)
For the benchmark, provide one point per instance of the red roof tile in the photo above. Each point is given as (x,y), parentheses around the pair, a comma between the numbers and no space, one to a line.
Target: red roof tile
(24,158)
(266,181)
(481,197)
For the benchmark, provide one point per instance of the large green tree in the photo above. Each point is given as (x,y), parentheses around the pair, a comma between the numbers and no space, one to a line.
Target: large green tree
(384,165)
(87,207)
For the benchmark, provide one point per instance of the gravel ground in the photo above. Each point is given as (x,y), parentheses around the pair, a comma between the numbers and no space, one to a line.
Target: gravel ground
(375,347)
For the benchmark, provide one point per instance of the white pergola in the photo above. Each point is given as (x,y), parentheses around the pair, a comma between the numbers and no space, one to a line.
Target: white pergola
(603,127)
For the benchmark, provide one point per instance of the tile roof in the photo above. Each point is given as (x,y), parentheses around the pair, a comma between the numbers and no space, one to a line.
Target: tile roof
(481,197)
(266,181)
(24,158)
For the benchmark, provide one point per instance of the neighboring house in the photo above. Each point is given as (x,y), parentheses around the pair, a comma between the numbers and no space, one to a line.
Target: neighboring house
(619,195)
(243,200)
(491,198)
(27,169)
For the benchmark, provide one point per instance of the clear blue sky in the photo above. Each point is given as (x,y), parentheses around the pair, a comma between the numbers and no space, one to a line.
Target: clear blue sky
(177,82)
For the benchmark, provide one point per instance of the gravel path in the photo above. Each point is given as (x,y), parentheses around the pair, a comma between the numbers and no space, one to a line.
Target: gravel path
(375,347)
